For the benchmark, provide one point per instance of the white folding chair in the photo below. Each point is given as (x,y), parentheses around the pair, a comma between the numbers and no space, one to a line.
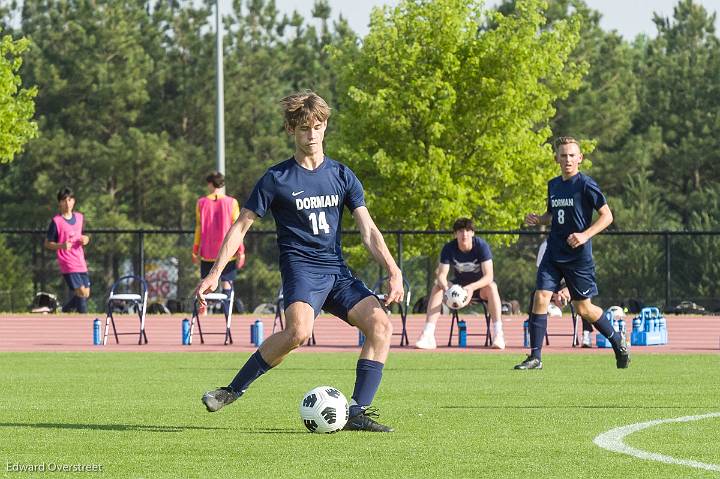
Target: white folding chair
(127,292)
(212,299)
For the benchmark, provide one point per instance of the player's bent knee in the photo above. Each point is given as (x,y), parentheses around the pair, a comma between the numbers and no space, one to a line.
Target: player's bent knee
(543,296)
(541,301)
(297,337)
(584,308)
(381,327)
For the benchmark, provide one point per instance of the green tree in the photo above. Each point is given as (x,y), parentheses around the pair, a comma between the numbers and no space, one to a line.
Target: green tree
(442,117)
(681,96)
(16,103)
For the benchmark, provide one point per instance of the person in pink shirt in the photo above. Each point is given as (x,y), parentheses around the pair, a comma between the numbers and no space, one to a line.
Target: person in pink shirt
(65,237)
(214,215)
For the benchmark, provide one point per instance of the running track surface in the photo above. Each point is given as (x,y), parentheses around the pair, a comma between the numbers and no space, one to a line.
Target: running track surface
(64,332)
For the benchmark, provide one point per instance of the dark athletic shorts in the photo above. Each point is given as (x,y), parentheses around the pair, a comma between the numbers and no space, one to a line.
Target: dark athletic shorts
(228,274)
(334,293)
(579,276)
(76,280)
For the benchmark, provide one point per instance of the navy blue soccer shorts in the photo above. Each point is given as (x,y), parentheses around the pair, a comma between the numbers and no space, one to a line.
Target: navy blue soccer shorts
(77,280)
(579,277)
(229,273)
(336,294)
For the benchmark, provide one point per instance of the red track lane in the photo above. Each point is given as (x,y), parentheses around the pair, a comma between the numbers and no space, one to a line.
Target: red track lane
(74,333)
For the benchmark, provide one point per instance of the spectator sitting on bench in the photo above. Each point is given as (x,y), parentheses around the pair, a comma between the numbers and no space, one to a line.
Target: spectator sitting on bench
(471,260)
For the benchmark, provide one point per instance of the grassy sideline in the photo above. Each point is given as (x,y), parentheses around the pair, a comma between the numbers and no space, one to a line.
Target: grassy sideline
(456,415)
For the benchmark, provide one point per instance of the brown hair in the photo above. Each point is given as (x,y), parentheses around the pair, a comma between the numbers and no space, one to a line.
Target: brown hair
(565,140)
(216,178)
(303,106)
(463,224)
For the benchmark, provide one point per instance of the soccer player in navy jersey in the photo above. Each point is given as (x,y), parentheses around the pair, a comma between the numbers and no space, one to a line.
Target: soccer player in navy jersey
(306,195)
(572,197)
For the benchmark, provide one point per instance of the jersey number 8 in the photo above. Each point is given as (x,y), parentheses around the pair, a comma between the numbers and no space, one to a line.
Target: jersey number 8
(560,217)
(318,223)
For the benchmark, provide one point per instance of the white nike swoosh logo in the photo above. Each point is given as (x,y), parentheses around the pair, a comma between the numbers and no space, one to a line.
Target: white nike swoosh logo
(295,193)
(586,292)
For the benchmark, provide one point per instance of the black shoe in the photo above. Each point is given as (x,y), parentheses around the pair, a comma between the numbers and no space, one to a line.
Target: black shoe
(622,355)
(530,362)
(219,398)
(365,422)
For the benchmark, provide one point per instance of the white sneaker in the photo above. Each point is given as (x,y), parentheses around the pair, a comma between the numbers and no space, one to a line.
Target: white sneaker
(426,342)
(586,340)
(498,342)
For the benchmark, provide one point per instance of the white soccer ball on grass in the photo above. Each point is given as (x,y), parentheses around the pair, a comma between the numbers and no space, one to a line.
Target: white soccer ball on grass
(324,409)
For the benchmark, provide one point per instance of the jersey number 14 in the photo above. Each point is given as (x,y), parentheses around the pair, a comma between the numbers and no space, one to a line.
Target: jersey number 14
(318,223)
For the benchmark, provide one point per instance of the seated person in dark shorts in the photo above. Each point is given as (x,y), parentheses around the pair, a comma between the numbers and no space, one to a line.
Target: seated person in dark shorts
(471,260)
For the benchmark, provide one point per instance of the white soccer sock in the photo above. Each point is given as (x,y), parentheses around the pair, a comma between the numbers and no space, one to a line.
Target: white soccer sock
(429,329)
(497,327)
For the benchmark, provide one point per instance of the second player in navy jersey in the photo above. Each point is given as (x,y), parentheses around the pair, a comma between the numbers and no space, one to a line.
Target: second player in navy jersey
(307,195)
(572,199)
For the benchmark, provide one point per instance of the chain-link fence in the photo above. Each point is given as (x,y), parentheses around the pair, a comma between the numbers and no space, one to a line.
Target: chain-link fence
(658,268)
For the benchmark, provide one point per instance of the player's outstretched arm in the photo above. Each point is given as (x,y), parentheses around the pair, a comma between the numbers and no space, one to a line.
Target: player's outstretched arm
(605,219)
(375,243)
(231,243)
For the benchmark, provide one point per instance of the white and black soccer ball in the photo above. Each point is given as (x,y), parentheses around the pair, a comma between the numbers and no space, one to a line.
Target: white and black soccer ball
(455,296)
(324,409)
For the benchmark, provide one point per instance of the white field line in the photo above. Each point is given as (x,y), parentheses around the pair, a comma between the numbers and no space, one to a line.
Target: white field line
(612,440)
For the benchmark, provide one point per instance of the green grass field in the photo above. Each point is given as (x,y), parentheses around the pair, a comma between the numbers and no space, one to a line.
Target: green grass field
(456,415)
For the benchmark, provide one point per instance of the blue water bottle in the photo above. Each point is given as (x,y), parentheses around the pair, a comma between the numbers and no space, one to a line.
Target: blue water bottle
(637,323)
(185,332)
(253,333)
(526,334)
(462,334)
(258,332)
(97,340)
(361,338)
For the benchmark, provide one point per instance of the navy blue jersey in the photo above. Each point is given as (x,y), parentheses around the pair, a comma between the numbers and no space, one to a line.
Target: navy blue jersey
(466,265)
(571,204)
(307,206)
(52,232)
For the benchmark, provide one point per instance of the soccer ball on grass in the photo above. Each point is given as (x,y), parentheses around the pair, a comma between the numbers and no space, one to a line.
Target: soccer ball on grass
(324,409)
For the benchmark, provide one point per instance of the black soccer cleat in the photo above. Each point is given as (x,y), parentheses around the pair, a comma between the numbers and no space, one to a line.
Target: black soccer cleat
(530,362)
(365,422)
(622,355)
(219,398)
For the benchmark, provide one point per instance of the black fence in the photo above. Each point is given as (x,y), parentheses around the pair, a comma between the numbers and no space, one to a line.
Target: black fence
(661,268)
